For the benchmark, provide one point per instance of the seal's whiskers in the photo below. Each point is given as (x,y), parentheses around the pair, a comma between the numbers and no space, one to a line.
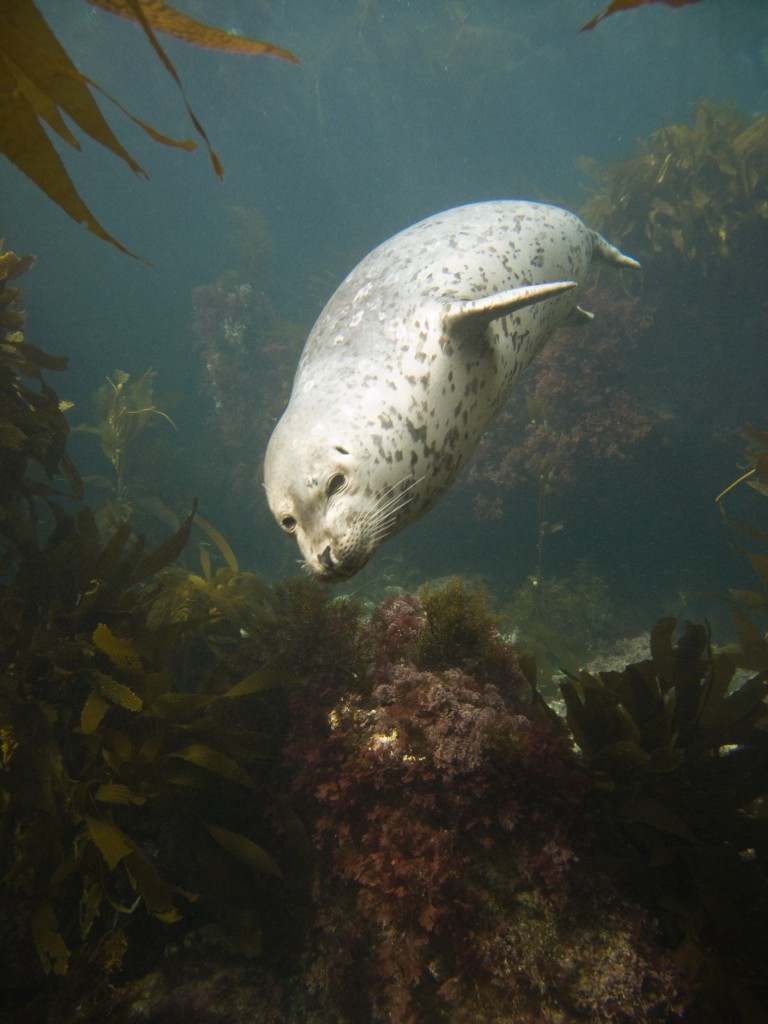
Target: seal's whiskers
(382,511)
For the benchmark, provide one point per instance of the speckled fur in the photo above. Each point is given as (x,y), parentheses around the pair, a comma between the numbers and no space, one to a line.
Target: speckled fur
(392,393)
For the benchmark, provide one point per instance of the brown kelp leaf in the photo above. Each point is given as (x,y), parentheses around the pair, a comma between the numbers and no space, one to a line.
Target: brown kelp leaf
(154,890)
(119,694)
(244,849)
(221,543)
(662,652)
(117,793)
(257,682)
(93,712)
(626,5)
(754,647)
(621,756)
(164,18)
(120,652)
(203,756)
(39,83)
(32,53)
(51,948)
(166,552)
(146,13)
(12,265)
(27,146)
(647,811)
(111,843)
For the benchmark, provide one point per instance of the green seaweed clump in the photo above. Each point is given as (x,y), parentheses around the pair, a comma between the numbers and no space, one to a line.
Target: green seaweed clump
(677,750)
(458,627)
(695,194)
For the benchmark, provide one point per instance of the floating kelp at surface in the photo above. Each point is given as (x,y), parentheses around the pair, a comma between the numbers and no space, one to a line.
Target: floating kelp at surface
(40,85)
(695,195)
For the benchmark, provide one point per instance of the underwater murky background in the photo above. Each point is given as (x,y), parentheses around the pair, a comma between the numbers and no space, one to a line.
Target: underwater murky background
(398,109)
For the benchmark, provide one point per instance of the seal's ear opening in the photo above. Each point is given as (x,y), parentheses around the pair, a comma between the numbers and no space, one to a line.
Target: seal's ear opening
(474,315)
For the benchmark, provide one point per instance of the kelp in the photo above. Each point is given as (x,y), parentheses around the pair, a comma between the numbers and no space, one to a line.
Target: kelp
(205,599)
(33,428)
(696,195)
(132,788)
(124,410)
(627,5)
(40,85)
(104,749)
(677,746)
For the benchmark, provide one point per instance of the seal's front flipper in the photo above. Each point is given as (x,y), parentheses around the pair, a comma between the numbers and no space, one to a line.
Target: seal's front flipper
(472,316)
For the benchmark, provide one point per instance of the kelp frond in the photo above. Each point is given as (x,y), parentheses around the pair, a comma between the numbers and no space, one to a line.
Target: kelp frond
(695,195)
(40,85)
(33,428)
(628,5)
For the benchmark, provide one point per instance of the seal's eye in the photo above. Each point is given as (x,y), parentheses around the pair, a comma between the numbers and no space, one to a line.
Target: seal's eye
(335,484)
(288,523)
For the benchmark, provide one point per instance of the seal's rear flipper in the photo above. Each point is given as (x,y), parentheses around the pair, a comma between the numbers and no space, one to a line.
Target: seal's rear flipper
(474,315)
(603,250)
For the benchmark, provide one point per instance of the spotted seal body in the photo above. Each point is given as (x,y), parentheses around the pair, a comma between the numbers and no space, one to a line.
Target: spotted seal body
(410,360)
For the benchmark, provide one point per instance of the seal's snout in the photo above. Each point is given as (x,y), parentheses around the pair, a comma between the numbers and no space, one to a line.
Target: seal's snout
(326,560)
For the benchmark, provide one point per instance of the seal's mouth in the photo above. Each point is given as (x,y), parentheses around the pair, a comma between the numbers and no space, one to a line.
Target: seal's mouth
(324,568)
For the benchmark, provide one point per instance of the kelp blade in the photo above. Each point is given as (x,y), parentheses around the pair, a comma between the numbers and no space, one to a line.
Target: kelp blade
(164,18)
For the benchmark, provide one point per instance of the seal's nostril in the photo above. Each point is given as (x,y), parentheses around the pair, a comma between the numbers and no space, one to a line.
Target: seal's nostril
(325,559)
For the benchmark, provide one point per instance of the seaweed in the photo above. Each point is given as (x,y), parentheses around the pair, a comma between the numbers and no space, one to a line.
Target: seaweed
(124,411)
(33,428)
(124,769)
(695,196)
(626,5)
(677,750)
(40,85)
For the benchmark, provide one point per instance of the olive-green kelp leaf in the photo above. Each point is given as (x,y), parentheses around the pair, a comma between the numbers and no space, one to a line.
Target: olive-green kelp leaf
(164,18)
(626,5)
(244,849)
(39,83)
(50,946)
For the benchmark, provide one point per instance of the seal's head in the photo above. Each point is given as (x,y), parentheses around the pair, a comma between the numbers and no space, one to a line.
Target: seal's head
(321,491)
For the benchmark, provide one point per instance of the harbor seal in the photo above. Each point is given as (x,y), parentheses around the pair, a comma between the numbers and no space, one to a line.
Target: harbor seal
(408,363)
